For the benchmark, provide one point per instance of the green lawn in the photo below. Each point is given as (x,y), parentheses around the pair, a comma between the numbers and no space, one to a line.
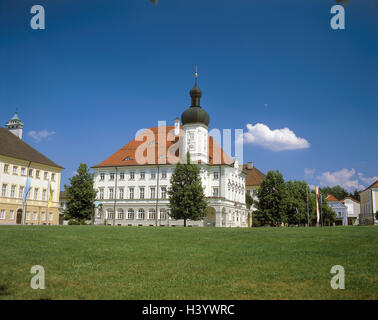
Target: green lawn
(103,262)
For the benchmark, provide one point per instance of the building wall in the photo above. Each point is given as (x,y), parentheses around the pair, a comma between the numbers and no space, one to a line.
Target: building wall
(341,212)
(353,211)
(369,205)
(223,187)
(15,179)
(195,141)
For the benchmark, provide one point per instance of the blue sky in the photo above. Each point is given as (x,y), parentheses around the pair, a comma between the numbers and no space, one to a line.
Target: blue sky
(101,70)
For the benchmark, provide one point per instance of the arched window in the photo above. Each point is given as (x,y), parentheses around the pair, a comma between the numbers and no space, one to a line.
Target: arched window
(110,213)
(152,214)
(120,214)
(141,214)
(163,214)
(130,214)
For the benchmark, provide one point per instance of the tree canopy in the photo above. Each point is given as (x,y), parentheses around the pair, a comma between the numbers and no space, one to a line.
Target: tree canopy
(186,196)
(286,203)
(340,193)
(80,194)
(271,193)
(248,201)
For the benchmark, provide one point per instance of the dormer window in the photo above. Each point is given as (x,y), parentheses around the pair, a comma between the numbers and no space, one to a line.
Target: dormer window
(128,158)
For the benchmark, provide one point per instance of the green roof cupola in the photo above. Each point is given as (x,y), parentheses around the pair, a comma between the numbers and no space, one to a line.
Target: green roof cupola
(15,125)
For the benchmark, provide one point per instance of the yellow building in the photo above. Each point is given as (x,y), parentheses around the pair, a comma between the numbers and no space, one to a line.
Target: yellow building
(18,163)
(369,204)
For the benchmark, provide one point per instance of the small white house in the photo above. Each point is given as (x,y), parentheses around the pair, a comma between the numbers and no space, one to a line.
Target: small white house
(353,210)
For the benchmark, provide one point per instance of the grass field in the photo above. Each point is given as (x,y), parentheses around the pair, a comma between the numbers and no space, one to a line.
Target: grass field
(98,262)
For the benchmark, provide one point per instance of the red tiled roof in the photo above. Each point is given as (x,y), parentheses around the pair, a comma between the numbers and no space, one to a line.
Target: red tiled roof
(147,149)
(254,176)
(331,197)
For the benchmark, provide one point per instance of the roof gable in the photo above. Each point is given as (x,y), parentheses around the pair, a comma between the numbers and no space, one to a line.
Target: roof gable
(13,147)
(349,198)
(331,197)
(254,176)
(374,185)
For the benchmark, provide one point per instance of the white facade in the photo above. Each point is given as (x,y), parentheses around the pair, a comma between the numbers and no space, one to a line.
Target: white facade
(136,192)
(353,210)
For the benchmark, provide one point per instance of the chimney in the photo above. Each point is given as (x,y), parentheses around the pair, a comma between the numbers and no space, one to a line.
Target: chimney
(250,165)
(177,127)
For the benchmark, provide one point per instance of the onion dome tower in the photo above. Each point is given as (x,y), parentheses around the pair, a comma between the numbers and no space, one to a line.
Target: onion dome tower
(195,121)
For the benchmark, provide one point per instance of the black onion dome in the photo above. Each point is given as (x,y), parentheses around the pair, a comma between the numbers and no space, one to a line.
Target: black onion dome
(195,114)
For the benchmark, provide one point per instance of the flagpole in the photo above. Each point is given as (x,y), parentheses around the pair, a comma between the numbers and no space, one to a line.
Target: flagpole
(308,219)
(24,203)
(48,199)
(317,205)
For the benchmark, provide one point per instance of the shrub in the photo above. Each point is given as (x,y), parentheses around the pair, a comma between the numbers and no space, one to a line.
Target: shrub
(73,222)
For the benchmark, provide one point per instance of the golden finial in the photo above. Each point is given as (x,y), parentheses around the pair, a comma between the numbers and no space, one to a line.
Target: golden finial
(196,72)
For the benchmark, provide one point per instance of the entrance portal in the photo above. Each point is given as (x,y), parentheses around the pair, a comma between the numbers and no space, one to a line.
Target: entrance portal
(19,216)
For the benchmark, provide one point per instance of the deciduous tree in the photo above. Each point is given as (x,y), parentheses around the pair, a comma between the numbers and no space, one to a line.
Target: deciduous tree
(186,196)
(80,194)
(270,207)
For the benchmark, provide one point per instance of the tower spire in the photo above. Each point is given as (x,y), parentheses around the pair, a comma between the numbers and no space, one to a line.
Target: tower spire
(195,93)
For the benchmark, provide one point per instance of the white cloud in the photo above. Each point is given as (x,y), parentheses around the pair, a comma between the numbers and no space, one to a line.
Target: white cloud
(344,178)
(309,173)
(367,180)
(38,136)
(275,140)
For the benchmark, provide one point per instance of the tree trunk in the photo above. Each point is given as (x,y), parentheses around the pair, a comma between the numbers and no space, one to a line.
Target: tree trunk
(184,222)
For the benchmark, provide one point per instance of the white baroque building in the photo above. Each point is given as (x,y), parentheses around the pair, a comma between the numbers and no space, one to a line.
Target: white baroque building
(132,183)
